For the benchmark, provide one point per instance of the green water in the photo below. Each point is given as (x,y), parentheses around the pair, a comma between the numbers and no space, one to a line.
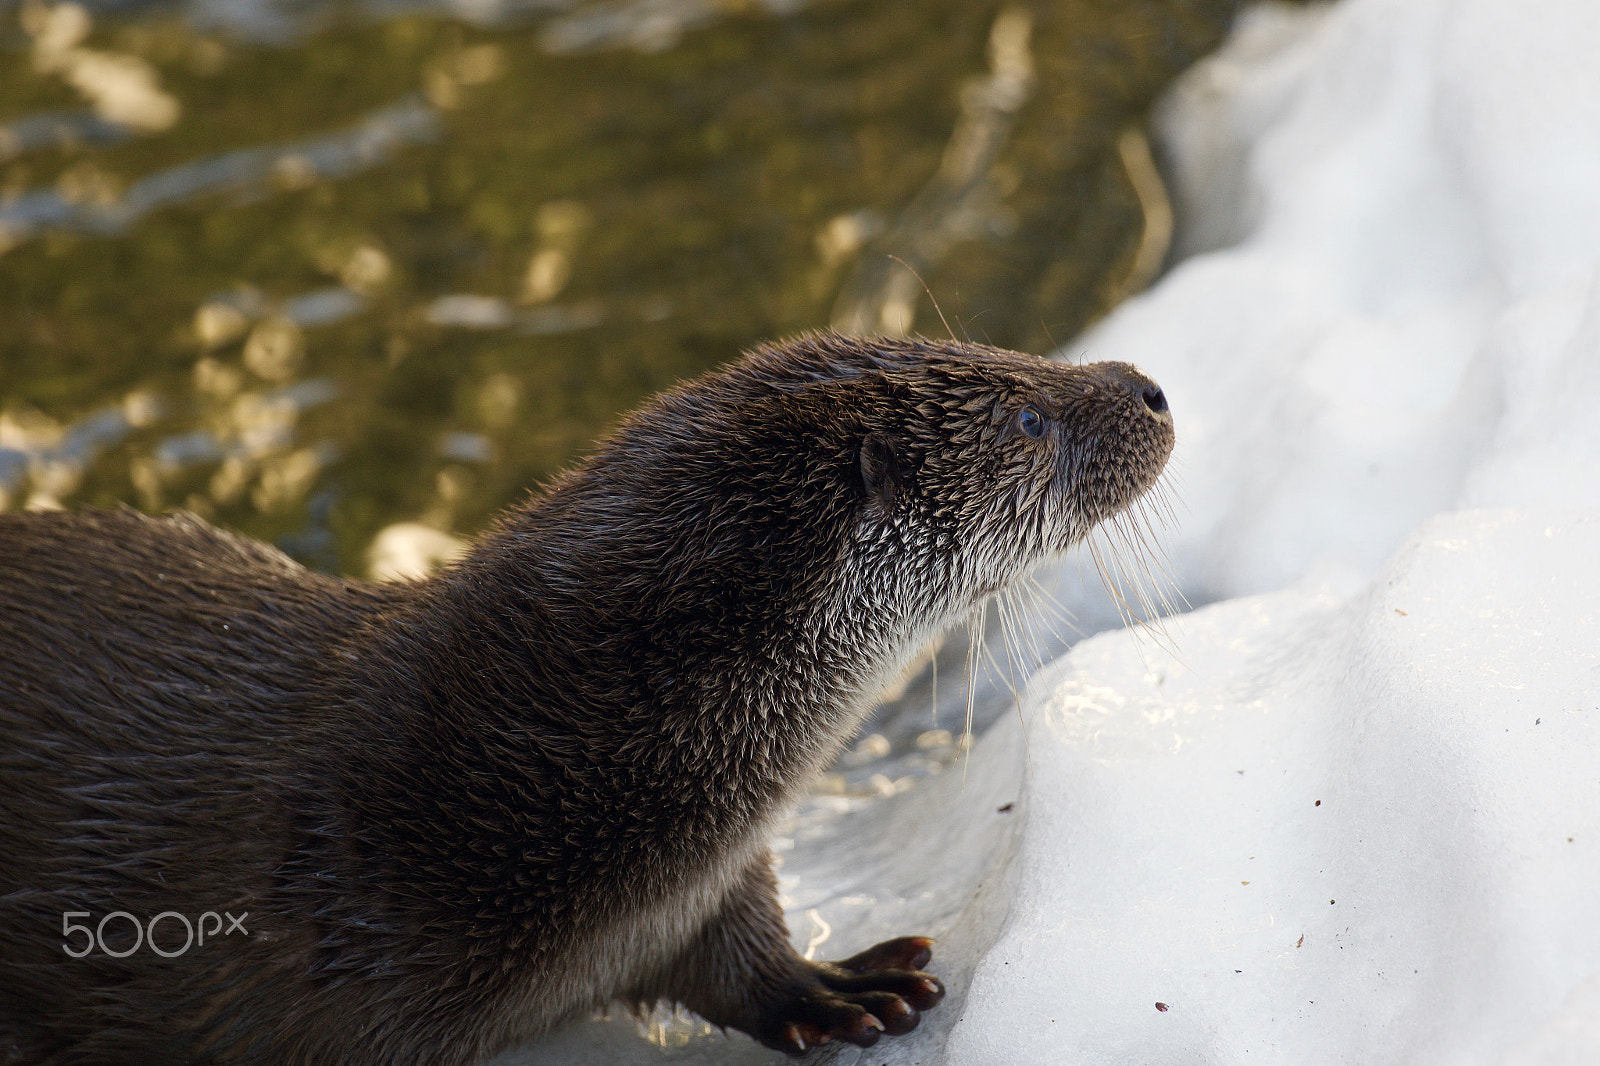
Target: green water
(277,349)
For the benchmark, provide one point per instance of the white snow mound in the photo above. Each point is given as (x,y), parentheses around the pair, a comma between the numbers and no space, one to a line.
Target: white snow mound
(1332,832)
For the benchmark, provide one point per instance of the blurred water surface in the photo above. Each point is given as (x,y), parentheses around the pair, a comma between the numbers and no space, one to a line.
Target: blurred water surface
(314,268)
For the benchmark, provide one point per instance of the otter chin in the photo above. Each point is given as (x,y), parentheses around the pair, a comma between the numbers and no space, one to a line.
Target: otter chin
(450,815)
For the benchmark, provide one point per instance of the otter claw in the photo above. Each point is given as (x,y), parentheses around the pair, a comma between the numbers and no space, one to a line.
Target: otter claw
(859,1000)
(901,953)
(792,1041)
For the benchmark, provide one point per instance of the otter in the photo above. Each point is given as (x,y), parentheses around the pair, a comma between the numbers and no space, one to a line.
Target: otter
(251,813)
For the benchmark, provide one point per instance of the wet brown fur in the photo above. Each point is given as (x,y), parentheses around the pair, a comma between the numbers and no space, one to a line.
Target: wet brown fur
(461,811)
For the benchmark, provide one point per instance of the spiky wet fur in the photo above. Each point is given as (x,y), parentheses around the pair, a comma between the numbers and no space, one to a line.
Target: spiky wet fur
(464,810)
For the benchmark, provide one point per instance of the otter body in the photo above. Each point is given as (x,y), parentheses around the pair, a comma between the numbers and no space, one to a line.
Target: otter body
(458,812)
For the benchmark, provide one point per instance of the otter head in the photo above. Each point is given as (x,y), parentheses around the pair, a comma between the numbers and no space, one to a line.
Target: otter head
(976,464)
(993,462)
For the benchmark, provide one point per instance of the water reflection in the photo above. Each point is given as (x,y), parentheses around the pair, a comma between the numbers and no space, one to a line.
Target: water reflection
(245,175)
(316,270)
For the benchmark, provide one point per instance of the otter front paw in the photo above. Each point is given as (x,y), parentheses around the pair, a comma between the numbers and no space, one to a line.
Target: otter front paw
(881,990)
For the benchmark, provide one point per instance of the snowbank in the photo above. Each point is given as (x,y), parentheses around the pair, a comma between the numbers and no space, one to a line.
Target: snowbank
(1409,321)
(1336,832)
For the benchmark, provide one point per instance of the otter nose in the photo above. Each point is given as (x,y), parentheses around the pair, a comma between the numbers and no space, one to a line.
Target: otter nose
(1154,398)
(1133,382)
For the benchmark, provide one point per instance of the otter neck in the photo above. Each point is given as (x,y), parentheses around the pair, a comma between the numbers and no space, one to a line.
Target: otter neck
(729,704)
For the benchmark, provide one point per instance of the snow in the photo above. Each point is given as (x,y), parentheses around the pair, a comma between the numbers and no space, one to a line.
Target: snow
(1408,315)
(1337,829)
(1349,810)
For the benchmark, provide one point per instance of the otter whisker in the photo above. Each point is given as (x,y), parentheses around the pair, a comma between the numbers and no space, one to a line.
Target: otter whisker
(1119,601)
(995,670)
(1008,633)
(1163,497)
(1013,601)
(1159,563)
(1156,564)
(1122,579)
(1049,614)
(1132,563)
(977,622)
(1038,608)
(1025,620)
(1143,516)
(1048,597)
(1138,572)
(1133,570)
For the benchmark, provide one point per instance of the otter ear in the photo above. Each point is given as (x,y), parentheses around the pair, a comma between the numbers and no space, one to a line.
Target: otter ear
(880,470)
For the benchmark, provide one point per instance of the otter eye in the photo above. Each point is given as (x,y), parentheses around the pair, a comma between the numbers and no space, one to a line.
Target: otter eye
(1030,421)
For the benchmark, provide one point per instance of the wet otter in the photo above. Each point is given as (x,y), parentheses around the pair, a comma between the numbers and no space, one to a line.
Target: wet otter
(442,817)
